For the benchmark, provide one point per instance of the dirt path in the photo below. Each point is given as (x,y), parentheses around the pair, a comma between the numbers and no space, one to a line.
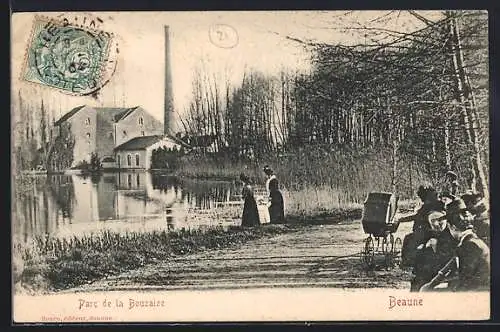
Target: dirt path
(319,256)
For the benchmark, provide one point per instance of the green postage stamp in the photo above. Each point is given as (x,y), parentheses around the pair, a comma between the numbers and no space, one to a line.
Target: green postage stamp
(74,59)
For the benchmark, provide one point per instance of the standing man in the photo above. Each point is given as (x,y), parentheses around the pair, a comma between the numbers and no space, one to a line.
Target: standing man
(452,183)
(275,204)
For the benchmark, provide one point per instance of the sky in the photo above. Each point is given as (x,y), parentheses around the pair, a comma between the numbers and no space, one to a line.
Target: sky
(139,77)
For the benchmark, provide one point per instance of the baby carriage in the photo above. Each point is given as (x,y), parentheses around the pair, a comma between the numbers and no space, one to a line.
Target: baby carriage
(379,223)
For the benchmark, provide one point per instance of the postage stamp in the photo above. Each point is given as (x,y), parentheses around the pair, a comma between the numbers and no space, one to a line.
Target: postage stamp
(73,59)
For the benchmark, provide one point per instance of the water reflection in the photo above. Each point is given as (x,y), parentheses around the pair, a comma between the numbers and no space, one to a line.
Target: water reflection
(65,205)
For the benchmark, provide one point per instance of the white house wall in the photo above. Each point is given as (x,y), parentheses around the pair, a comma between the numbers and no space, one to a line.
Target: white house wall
(121,157)
(144,155)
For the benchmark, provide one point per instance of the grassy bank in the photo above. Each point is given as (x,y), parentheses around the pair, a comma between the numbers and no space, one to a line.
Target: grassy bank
(54,264)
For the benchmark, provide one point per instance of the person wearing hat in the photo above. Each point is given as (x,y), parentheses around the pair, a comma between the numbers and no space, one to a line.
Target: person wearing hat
(421,227)
(276,204)
(270,177)
(451,179)
(445,244)
(437,251)
(477,206)
(429,197)
(250,215)
(473,254)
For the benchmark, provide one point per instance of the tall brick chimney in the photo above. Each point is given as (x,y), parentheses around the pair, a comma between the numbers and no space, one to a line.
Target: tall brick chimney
(168,116)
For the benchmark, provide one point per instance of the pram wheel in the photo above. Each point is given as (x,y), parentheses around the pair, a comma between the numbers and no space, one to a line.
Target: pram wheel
(369,252)
(388,250)
(397,251)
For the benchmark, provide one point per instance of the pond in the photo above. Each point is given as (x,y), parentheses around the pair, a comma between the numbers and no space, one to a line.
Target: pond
(69,205)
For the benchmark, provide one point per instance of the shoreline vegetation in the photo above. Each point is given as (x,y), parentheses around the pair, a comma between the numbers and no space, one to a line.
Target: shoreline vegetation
(52,265)
(314,194)
(348,174)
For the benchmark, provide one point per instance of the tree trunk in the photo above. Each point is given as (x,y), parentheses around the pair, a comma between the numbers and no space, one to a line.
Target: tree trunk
(394,165)
(447,154)
(467,102)
(392,137)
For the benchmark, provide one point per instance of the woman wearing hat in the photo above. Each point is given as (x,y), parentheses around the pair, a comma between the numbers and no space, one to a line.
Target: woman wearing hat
(276,204)
(250,215)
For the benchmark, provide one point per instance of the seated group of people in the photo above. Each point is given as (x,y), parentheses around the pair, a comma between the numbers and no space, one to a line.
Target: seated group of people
(449,243)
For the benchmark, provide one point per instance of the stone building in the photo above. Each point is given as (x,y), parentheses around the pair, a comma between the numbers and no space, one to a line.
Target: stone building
(101,129)
(130,132)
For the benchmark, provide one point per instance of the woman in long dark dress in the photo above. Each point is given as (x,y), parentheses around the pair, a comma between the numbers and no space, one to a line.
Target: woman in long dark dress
(276,206)
(277,209)
(250,215)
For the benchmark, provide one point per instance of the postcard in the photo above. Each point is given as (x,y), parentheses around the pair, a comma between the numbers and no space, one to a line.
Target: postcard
(250,166)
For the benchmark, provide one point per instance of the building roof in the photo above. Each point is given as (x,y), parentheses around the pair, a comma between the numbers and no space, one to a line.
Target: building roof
(179,141)
(68,115)
(112,114)
(200,141)
(139,143)
(143,142)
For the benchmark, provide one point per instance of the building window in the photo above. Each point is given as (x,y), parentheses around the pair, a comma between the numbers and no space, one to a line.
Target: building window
(87,121)
(129,160)
(141,121)
(142,133)
(111,135)
(136,159)
(138,180)
(88,135)
(124,133)
(119,158)
(129,180)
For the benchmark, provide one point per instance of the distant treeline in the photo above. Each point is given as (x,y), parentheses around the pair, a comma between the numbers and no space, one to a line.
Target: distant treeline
(420,97)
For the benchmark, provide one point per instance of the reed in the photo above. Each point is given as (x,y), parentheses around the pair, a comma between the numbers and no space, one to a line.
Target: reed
(49,264)
(345,175)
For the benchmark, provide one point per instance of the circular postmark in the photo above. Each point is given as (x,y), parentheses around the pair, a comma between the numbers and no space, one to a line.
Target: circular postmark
(223,35)
(75,59)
